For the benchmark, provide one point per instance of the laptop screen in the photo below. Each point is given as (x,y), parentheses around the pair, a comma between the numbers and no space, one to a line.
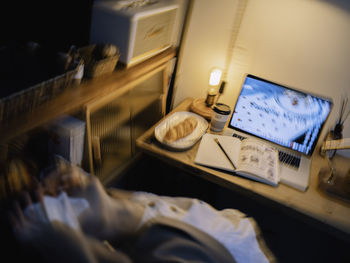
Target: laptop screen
(279,114)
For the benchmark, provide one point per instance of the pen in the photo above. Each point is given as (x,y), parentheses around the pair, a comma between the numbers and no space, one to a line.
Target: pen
(222,149)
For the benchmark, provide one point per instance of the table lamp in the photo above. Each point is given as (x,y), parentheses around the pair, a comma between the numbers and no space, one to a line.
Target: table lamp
(203,106)
(214,80)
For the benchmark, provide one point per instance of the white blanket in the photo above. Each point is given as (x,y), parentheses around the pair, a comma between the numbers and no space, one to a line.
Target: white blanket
(230,227)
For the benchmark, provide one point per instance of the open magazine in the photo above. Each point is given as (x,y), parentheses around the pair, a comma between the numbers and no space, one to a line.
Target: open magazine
(249,158)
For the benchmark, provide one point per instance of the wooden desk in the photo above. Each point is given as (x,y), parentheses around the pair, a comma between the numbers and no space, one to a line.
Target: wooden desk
(313,202)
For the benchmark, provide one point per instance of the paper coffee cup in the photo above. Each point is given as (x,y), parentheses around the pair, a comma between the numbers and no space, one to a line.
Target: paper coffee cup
(221,113)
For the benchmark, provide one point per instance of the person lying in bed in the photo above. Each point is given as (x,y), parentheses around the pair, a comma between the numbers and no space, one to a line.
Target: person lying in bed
(73,218)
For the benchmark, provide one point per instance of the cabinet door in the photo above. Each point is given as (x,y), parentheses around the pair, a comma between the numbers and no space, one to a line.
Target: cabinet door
(146,105)
(110,136)
(114,122)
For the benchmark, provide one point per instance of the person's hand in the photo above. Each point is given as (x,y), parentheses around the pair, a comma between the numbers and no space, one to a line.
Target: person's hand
(106,217)
(63,177)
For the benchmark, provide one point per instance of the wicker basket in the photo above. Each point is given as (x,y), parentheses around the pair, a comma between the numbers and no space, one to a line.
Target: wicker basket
(26,99)
(94,68)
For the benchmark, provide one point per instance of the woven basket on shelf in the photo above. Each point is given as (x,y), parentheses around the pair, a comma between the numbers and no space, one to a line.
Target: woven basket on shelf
(28,99)
(94,68)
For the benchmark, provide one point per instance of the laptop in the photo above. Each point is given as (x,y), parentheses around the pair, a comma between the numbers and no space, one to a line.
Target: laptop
(289,119)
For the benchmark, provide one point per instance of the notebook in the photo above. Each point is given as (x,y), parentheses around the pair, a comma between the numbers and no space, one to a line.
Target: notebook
(287,118)
(249,158)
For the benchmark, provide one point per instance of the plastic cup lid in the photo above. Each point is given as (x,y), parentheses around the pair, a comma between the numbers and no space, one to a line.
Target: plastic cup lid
(222,108)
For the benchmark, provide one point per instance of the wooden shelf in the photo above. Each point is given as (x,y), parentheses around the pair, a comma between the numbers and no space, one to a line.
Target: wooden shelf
(72,100)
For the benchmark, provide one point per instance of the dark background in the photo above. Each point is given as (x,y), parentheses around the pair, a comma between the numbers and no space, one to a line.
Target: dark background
(54,24)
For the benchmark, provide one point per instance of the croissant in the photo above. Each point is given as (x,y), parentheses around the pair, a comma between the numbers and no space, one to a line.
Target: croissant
(181,130)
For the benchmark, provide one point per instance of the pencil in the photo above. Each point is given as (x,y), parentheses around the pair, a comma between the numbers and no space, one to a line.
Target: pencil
(222,149)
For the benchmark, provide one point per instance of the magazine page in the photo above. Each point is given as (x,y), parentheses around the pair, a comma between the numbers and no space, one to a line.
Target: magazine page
(260,160)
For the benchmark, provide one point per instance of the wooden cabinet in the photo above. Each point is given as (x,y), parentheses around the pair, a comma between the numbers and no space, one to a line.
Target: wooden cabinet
(115,121)
(118,107)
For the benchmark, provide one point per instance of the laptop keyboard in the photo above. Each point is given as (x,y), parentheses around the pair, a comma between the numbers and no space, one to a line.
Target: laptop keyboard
(289,159)
(284,157)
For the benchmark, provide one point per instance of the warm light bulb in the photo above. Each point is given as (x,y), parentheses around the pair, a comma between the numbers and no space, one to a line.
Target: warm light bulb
(215,76)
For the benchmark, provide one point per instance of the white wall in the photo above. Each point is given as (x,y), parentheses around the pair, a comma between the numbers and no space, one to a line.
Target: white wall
(301,43)
(205,42)
(178,26)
